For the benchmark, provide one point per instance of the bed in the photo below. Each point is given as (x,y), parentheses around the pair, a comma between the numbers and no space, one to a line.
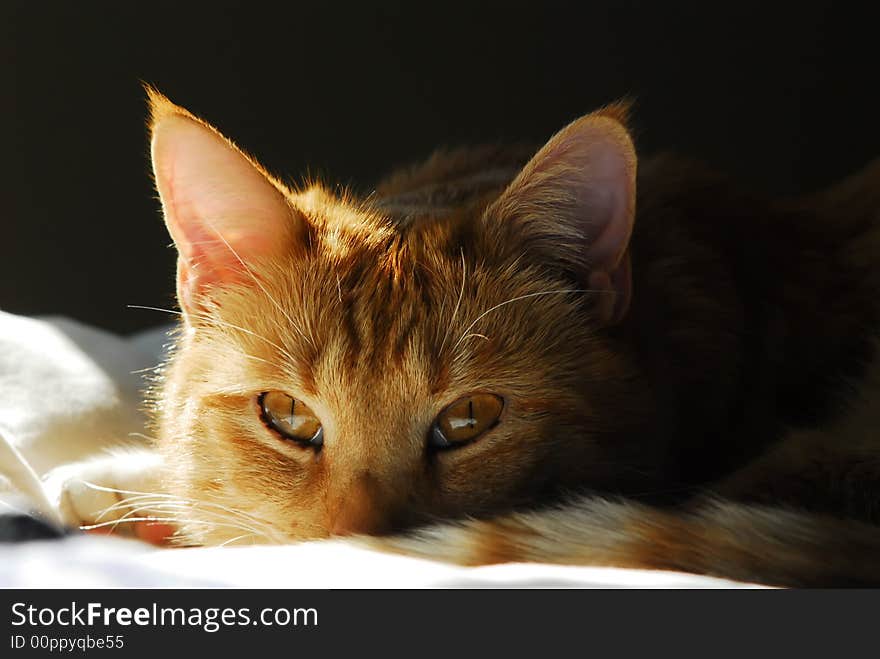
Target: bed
(69,391)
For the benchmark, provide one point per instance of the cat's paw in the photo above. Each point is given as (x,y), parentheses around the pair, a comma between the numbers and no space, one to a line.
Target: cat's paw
(113,493)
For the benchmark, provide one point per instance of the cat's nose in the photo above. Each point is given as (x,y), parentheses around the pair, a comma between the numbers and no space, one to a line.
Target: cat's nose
(359,511)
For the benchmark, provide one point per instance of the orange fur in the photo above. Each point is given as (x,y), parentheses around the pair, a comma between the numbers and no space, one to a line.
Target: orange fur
(484,271)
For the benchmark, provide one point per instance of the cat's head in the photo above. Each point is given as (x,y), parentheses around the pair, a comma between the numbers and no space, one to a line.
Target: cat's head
(339,370)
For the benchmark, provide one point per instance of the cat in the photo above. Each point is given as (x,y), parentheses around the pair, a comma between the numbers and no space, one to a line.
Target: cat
(568,355)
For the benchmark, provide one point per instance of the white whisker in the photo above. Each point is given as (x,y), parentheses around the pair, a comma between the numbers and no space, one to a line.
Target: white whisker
(517,299)
(223,323)
(236,539)
(169,507)
(142,436)
(140,306)
(219,323)
(146,369)
(458,302)
(144,513)
(475,335)
(256,280)
(146,500)
(171,520)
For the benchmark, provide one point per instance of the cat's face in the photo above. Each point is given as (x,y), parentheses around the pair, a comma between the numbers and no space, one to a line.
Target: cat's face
(338,372)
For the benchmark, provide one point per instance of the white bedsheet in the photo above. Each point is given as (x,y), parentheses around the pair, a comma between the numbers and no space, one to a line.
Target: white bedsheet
(86,561)
(68,391)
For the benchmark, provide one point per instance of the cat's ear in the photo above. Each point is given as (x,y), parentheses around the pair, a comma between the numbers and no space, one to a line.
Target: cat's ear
(223,211)
(574,203)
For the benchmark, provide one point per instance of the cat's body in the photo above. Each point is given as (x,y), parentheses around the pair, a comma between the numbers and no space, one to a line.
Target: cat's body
(755,316)
(497,330)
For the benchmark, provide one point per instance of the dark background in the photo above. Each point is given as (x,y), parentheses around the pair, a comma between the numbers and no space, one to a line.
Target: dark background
(785,97)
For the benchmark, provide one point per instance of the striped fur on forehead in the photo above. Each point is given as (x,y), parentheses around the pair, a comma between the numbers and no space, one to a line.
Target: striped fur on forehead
(427,290)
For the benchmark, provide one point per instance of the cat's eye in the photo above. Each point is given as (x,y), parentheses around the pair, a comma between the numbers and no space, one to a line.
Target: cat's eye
(291,418)
(465,420)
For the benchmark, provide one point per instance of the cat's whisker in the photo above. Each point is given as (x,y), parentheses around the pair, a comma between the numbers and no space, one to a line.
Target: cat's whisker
(143,436)
(222,323)
(144,512)
(457,304)
(169,507)
(139,503)
(131,520)
(510,301)
(116,490)
(170,520)
(187,509)
(475,335)
(125,503)
(519,298)
(217,322)
(258,359)
(236,539)
(140,306)
(138,371)
(235,512)
(164,506)
(158,496)
(256,280)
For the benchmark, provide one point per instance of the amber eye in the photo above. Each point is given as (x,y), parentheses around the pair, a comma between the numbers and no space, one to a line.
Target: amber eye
(465,420)
(291,418)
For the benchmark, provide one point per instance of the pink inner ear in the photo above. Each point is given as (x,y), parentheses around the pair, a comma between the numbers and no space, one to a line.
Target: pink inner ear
(601,162)
(577,197)
(592,163)
(607,203)
(223,212)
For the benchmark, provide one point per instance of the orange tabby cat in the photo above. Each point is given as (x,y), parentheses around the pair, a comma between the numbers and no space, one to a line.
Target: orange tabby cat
(501,338)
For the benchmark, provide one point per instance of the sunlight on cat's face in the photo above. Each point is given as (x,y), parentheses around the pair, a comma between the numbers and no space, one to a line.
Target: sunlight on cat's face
(342,370)
(365,404)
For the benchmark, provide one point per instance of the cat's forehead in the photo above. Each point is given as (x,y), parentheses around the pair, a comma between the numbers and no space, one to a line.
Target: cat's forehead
(448,320)
(435,299)
(361,244)
(428,218)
